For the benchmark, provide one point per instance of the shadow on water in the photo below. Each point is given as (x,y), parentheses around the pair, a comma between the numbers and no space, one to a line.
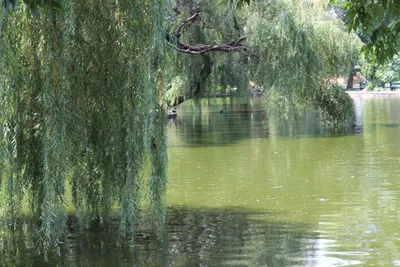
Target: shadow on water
(192,237)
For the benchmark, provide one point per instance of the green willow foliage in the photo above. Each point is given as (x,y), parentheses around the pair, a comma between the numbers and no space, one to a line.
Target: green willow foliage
(81,102)
(302,49)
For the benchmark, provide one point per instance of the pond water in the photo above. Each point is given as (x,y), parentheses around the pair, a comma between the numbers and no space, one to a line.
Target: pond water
(246,192)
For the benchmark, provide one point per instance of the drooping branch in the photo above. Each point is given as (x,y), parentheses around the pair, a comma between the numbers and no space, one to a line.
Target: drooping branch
(174,41)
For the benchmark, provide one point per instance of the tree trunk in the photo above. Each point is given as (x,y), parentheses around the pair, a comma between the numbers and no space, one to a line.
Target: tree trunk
(197,84)
(350,81)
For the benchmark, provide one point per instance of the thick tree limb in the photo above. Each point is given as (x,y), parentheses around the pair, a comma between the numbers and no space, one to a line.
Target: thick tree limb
(175,42)
(201,49)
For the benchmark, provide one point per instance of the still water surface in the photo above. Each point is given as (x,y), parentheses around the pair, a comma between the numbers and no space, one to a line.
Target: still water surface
(305,195)
(246,192)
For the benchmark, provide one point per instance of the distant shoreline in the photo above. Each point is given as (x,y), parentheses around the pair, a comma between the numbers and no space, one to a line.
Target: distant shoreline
(375,94)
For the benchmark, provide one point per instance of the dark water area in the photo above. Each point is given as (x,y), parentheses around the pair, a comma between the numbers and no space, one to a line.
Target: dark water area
(192,237)
(247,191)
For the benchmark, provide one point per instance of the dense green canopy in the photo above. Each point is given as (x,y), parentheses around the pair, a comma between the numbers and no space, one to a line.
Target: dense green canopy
(378,24)
(84,86)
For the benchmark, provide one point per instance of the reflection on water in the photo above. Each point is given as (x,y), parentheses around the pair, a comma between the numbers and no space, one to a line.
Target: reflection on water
(204,125)
(245,191)
(358,108)
(193,237)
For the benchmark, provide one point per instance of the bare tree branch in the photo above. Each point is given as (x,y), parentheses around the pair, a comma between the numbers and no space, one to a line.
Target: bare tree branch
(184,23)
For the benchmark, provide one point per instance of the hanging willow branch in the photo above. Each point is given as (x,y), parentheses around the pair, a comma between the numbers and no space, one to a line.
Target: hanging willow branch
(79,114)
(175,42)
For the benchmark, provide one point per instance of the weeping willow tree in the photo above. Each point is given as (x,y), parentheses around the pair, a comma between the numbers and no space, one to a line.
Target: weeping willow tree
(295,50)
(81,103)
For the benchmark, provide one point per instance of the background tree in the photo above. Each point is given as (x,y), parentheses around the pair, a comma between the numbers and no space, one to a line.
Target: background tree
(378,24)
(381,75)
(390,71)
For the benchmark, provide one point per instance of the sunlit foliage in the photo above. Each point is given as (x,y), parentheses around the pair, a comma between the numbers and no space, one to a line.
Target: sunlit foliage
(390,71)
(379,75)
